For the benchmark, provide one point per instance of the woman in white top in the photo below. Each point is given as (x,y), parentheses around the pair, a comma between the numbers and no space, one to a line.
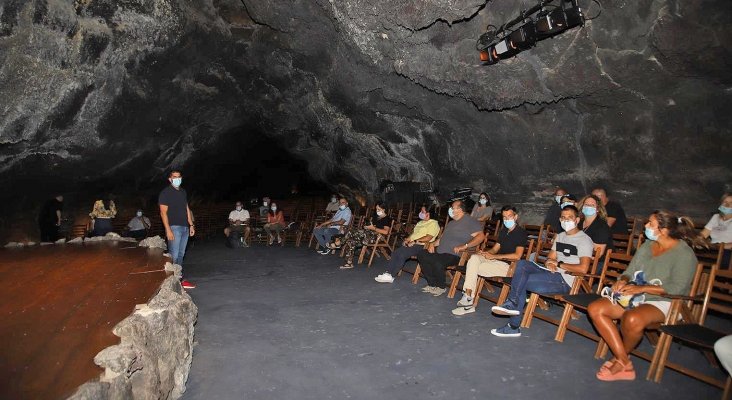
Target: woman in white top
(719,228)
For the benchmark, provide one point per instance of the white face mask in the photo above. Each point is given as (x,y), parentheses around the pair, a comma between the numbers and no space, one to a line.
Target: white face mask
(483,201)
(265,204)
(139,213)
(558,198)
(568,225)
(238,208)
(380,213)
(332,199)
(274,208)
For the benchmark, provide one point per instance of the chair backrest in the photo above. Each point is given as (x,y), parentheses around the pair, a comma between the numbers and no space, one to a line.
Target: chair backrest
(534,231)
(710,256)
(623,242)
(718,296)
(631,225)
(615,264)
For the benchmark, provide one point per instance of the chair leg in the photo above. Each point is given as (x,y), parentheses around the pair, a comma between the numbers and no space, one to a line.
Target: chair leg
(504,294)
(529,311)
(478,289)
(659,357)
(727,389)
(417,271)
(601,349)
(361,254)
(371,258)
(453,284)
(562,328)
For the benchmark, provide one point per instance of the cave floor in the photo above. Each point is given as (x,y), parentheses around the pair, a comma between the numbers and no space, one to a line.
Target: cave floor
(287,323)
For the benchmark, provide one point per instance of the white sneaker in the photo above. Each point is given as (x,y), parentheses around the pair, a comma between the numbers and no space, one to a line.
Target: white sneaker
(384,278)
(465,301)
(463,310)
(428,289)
(438,291)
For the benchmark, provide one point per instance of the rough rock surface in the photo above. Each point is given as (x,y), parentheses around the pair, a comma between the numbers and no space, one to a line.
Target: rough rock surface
(370,90)
(154,356)
(154,242)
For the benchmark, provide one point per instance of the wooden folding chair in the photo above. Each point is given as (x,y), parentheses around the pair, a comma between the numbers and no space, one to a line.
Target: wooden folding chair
(382,244)
(582,283)
(692,332)
(615,264)
(418,268)
(488,282)
(652,331)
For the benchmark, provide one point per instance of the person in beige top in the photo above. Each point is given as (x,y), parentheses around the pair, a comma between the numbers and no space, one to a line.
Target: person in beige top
(101,216)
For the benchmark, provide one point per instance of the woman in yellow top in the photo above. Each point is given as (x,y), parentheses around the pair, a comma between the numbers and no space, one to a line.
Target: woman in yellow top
(101,216)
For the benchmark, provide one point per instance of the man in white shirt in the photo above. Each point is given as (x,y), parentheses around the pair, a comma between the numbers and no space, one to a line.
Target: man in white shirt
(238,222)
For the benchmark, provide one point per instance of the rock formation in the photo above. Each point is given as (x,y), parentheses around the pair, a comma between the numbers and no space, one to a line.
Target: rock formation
(371,90)
(154,356)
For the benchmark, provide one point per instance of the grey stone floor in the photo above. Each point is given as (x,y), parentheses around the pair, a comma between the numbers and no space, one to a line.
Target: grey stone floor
(286,323)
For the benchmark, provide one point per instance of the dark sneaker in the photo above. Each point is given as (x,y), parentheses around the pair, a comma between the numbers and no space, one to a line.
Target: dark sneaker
(188,285)
(507,308)
(506,331)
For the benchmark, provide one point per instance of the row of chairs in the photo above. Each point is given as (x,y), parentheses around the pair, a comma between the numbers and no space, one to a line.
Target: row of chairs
(711,290)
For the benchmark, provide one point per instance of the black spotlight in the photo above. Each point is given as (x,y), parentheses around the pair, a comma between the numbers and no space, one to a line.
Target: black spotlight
(524,37)
(558,19)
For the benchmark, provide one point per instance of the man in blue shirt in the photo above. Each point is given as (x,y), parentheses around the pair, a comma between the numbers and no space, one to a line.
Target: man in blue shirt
(325,231)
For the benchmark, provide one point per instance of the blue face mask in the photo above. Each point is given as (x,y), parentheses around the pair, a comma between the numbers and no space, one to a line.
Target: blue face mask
(566,203)
(589,211)
(558,199)
(342,207)
(509,223)
(483,201)
(177,181)
(725,210)
(451,213)
(422,215)
(650,234)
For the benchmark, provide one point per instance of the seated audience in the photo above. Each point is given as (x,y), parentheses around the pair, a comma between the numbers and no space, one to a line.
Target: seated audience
(424,232)
(239,224)
(719,229)
(571,252)
(512,240)
(594,224)
(616,218)
(336,225)
(462,233)
(483,210)
(138,226)
(101,217)
(552,214)
(664,264)
(379,224)
(275,223)
(49,218)
(333,205)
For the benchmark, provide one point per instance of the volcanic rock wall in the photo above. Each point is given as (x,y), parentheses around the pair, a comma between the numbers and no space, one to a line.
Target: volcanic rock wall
(369,90)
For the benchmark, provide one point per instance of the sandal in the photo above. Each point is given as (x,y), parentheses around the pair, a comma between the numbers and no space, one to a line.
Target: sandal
(608,364)
(626,373)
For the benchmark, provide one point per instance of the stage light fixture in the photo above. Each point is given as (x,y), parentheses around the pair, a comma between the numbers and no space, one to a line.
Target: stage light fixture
(544,20)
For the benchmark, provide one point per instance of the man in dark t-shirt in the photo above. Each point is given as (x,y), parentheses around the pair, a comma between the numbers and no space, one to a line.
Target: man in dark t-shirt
(49,219)
(552,214)
(177,220)
(512,242)
(616,218)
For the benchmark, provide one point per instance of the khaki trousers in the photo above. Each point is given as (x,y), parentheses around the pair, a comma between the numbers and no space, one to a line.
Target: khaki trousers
(479,265)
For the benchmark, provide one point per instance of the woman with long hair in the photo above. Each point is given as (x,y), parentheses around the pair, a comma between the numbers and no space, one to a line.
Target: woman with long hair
(664,264)
(101,217)
(275,223)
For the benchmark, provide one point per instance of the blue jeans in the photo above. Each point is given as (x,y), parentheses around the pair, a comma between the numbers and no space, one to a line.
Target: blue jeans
(323,235)
(177,246)
(529,277)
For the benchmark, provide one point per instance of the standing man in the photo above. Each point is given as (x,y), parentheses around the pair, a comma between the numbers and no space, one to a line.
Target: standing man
(177,219)
(49,219)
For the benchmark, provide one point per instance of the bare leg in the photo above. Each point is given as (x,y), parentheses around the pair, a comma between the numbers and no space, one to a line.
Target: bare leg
(603,314)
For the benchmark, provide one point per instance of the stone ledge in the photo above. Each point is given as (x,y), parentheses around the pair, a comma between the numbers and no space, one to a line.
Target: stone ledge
(154,356)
